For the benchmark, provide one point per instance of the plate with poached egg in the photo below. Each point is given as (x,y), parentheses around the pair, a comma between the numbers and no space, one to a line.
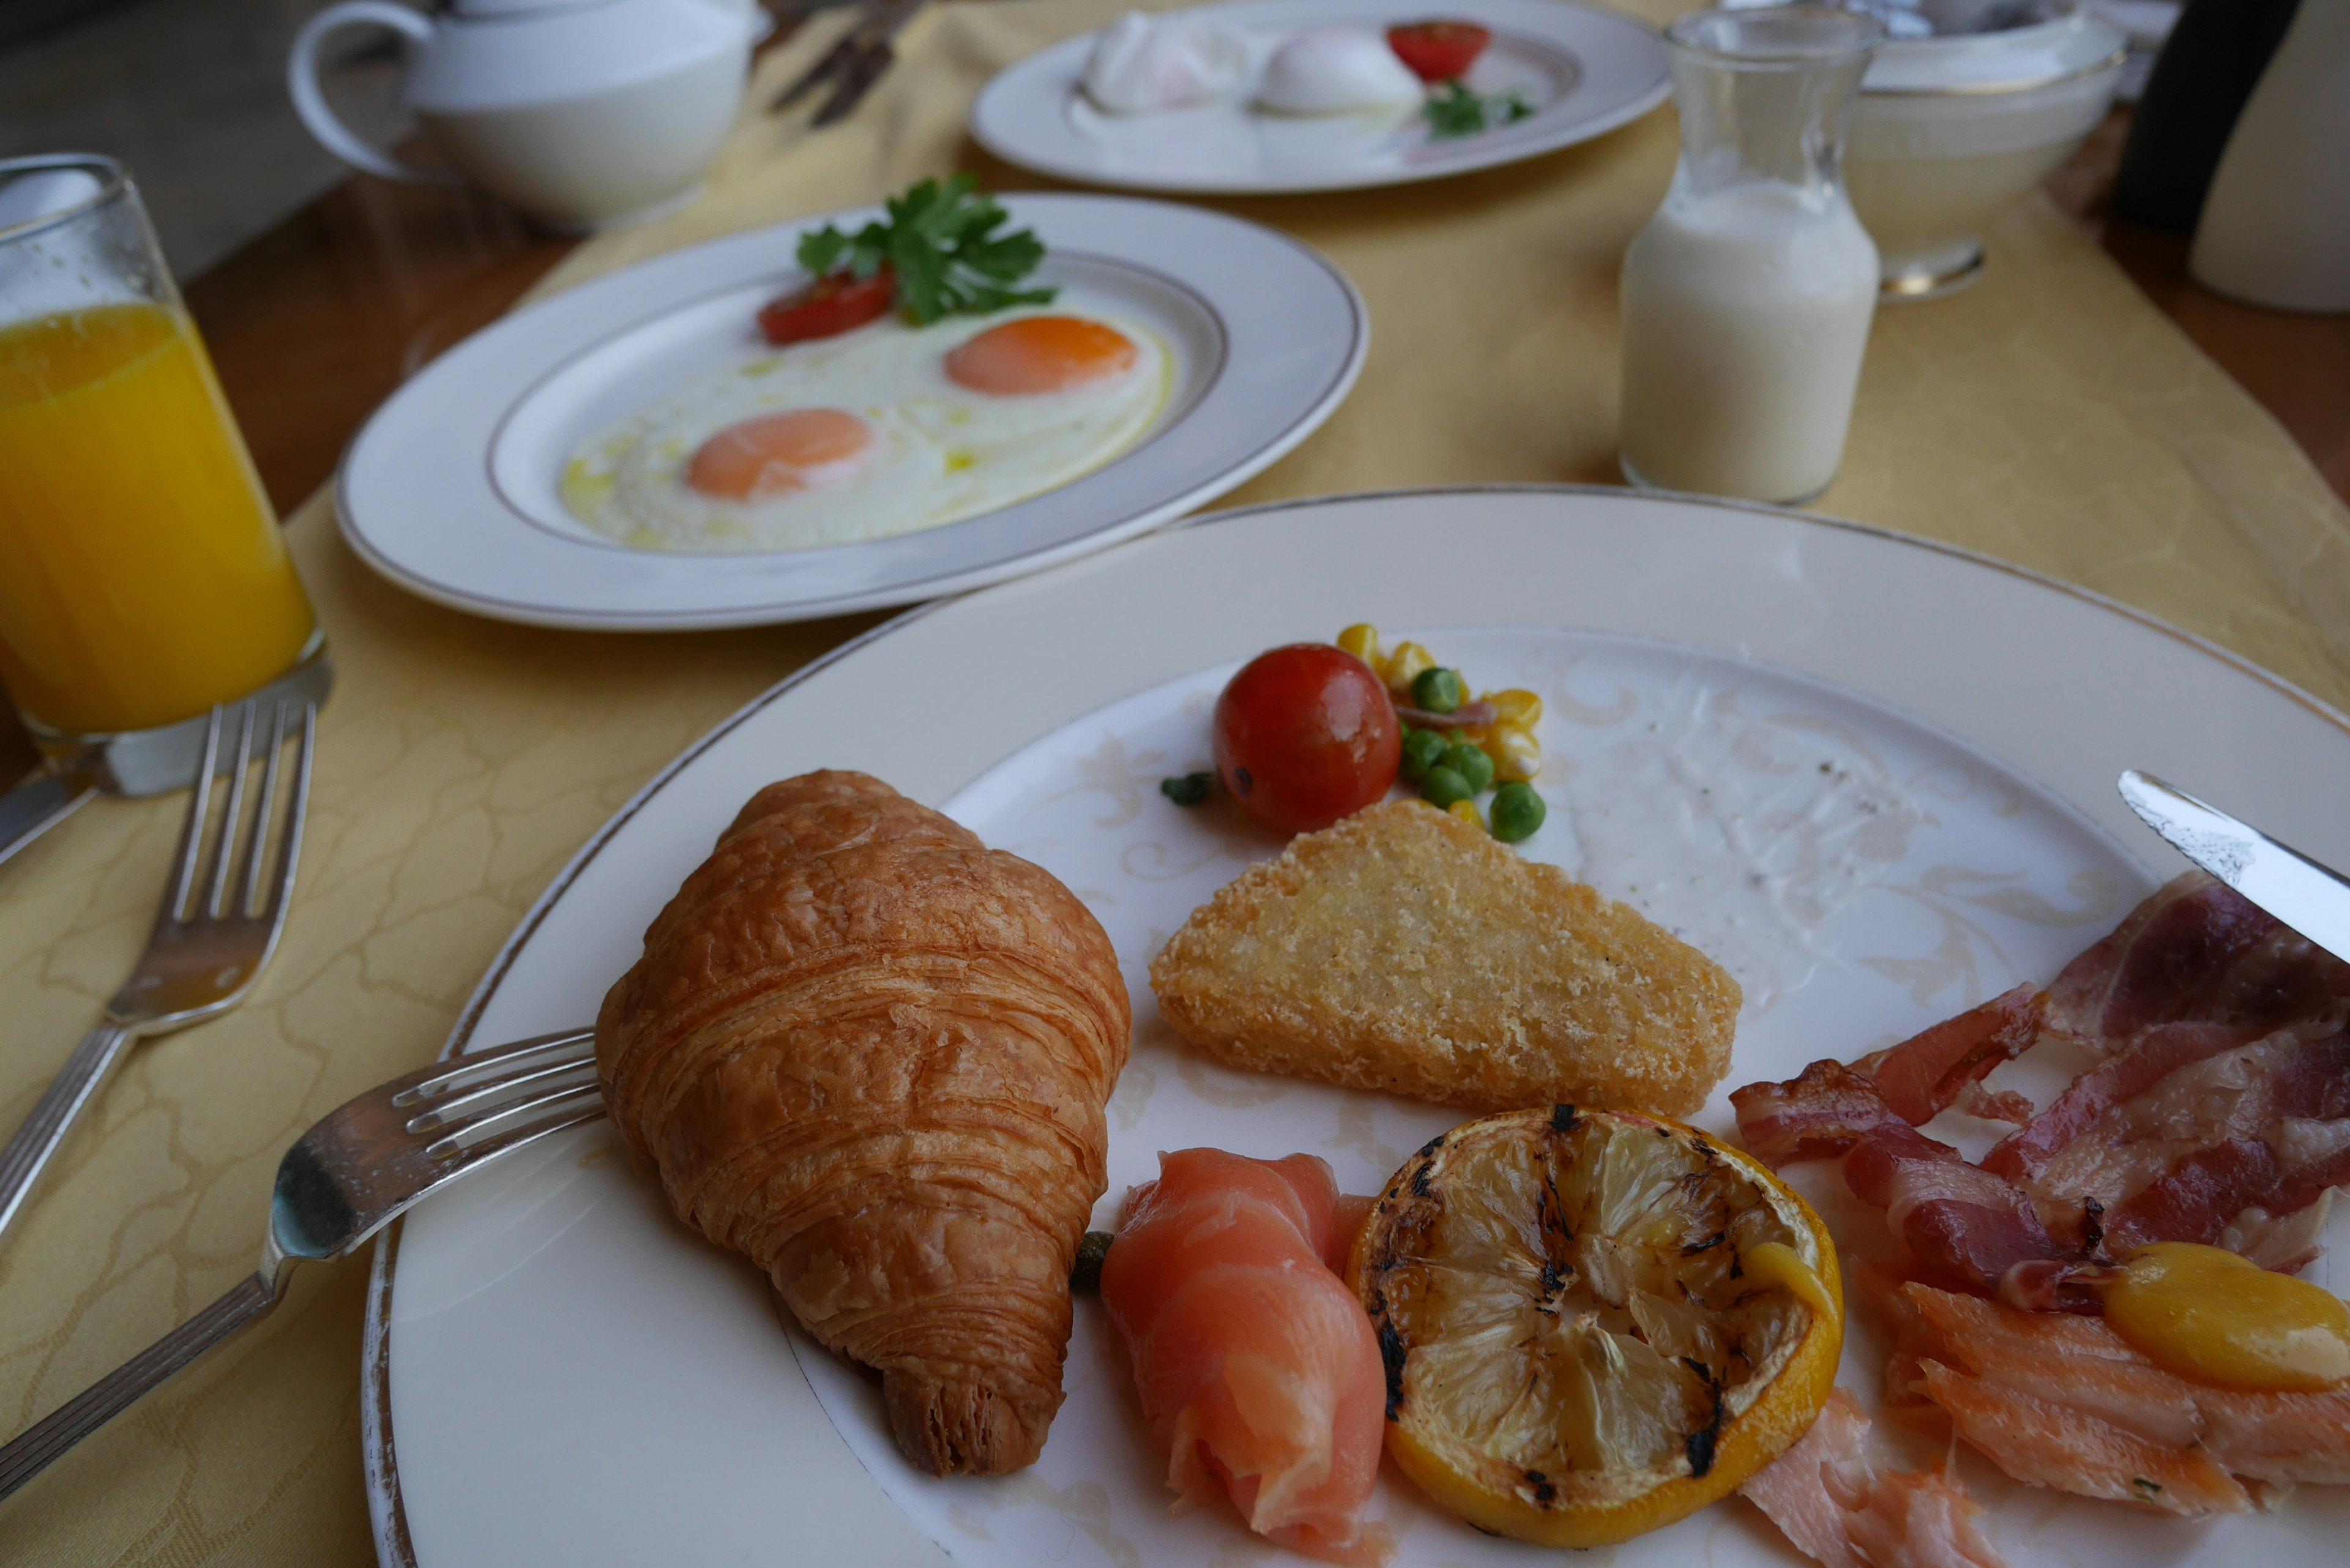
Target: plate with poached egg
(1262,95)
(812,418)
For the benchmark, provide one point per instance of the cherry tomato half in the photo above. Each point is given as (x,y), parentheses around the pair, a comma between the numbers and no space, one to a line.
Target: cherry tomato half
(834,303)
(1438,51)
(1305,736)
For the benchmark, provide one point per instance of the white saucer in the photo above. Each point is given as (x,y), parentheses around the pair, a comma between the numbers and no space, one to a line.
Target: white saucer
(1584,70)
(451,490)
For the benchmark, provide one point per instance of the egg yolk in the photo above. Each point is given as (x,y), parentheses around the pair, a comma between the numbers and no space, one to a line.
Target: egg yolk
(776,455)
(1041,354)
(2213,1317)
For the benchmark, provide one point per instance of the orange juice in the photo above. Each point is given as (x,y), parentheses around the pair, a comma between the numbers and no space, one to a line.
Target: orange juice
(142,577)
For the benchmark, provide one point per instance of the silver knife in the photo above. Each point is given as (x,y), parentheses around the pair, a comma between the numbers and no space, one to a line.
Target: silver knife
(2312,898)
(873,56)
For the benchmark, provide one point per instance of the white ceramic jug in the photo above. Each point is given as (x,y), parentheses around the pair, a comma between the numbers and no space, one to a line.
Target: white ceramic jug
(583,113)
(2275,229)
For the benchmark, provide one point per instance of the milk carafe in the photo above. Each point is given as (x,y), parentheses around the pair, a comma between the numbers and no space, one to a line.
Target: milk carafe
(1747,298)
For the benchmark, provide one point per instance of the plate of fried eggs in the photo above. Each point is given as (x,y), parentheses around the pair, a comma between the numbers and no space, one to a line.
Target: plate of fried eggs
(634,453)
(1258,96)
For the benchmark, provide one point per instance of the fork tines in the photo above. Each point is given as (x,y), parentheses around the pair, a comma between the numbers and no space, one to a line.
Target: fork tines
(509,1093)
(210,853)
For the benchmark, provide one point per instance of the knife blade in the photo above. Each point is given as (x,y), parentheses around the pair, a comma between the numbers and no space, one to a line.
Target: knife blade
(874,57)
(2312,898)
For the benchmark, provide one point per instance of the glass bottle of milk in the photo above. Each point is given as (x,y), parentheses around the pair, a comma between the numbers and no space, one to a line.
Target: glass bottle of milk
(1747,298)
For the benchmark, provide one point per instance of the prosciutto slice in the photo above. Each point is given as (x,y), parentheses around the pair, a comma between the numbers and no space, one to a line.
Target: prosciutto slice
(2219,1113)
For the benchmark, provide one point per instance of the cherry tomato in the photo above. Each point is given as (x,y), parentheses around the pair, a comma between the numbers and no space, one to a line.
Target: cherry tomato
(1438,51)
(832,305)
(1305,736)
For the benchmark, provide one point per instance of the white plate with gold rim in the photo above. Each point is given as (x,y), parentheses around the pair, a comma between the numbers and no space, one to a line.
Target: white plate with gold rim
(1580,70)
(1873,775)
(453,488)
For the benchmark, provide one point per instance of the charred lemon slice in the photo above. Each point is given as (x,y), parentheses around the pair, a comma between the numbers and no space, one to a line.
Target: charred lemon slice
(1595,1323)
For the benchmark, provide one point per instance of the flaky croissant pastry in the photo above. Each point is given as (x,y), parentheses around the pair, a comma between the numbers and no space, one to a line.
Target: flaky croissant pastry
(872,1053)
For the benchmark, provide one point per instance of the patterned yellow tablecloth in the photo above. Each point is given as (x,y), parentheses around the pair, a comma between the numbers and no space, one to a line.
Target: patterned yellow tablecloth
(2049,416)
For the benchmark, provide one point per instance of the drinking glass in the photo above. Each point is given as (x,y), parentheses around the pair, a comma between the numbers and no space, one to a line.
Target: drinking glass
(143,578)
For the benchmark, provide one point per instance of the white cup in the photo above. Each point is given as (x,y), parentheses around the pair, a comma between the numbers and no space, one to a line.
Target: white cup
(583,113)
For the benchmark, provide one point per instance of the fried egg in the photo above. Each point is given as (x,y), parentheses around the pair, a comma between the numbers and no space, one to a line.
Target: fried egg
(882,430)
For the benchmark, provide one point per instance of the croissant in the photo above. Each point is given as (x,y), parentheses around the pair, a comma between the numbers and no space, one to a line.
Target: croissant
(872,1054)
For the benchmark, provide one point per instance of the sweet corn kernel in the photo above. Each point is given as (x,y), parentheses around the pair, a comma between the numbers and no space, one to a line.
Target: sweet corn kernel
(1516,754)
(1404,665)
(1466,810)
(1517,706)
(1362,640)
(1470,734)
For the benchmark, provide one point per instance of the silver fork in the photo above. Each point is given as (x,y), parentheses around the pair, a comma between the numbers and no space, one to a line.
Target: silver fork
(204,951)
(342,1182)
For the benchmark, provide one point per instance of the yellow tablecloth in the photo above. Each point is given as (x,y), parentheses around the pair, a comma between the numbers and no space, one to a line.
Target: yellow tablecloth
(2050,415)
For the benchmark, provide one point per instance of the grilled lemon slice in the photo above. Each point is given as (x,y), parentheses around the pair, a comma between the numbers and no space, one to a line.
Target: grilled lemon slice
(1595,1323)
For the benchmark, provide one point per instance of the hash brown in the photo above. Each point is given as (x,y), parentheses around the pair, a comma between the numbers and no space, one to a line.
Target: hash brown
(1406,950)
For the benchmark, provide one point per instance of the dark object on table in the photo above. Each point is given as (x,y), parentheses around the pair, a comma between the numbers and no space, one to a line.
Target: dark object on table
(2210,65)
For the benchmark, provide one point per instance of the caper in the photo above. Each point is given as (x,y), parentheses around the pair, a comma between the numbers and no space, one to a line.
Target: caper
(1444,785)
(1517,811)
(1438,690)
(1191,789)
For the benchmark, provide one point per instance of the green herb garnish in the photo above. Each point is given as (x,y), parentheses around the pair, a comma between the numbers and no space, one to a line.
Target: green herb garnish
(1189,790)
(1453,110)
(942,244)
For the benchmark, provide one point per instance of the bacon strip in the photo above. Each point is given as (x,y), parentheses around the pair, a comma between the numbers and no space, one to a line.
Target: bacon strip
(1824,1110)
(2155,1054)
(1925,1075)
(2221,1108)
(2196,952)
(1976,1227)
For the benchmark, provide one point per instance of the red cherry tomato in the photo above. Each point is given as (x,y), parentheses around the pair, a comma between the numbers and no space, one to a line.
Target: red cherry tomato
(1305,736)
(836,303)
(1438,51)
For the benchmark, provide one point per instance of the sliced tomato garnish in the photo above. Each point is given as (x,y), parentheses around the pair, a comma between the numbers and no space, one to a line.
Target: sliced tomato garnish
(834,303)
(1438,51)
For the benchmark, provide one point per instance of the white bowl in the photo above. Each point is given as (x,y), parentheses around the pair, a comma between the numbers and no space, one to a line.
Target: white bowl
(1951,130)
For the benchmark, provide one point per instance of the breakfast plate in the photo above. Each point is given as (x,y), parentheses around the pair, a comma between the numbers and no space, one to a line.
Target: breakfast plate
(1874,775)
(458,489)
(1580,69)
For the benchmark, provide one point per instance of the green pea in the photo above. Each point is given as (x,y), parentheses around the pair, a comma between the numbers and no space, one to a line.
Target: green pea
(1422,749)
(1518,812)
(1471,764)
(1443,785)
(1438,690)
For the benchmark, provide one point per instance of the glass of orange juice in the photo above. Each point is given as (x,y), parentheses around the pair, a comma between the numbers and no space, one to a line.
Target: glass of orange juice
(143,578)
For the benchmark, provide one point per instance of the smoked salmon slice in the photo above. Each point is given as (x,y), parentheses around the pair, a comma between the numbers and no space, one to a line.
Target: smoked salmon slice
(1843,1511)
(1258,1370)
(2063,1401)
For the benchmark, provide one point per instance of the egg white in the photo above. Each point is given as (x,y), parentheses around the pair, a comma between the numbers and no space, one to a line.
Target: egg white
(941,452)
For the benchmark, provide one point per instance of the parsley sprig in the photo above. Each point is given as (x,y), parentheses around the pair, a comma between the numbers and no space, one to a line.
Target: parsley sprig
(942,244)
(1453,110)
